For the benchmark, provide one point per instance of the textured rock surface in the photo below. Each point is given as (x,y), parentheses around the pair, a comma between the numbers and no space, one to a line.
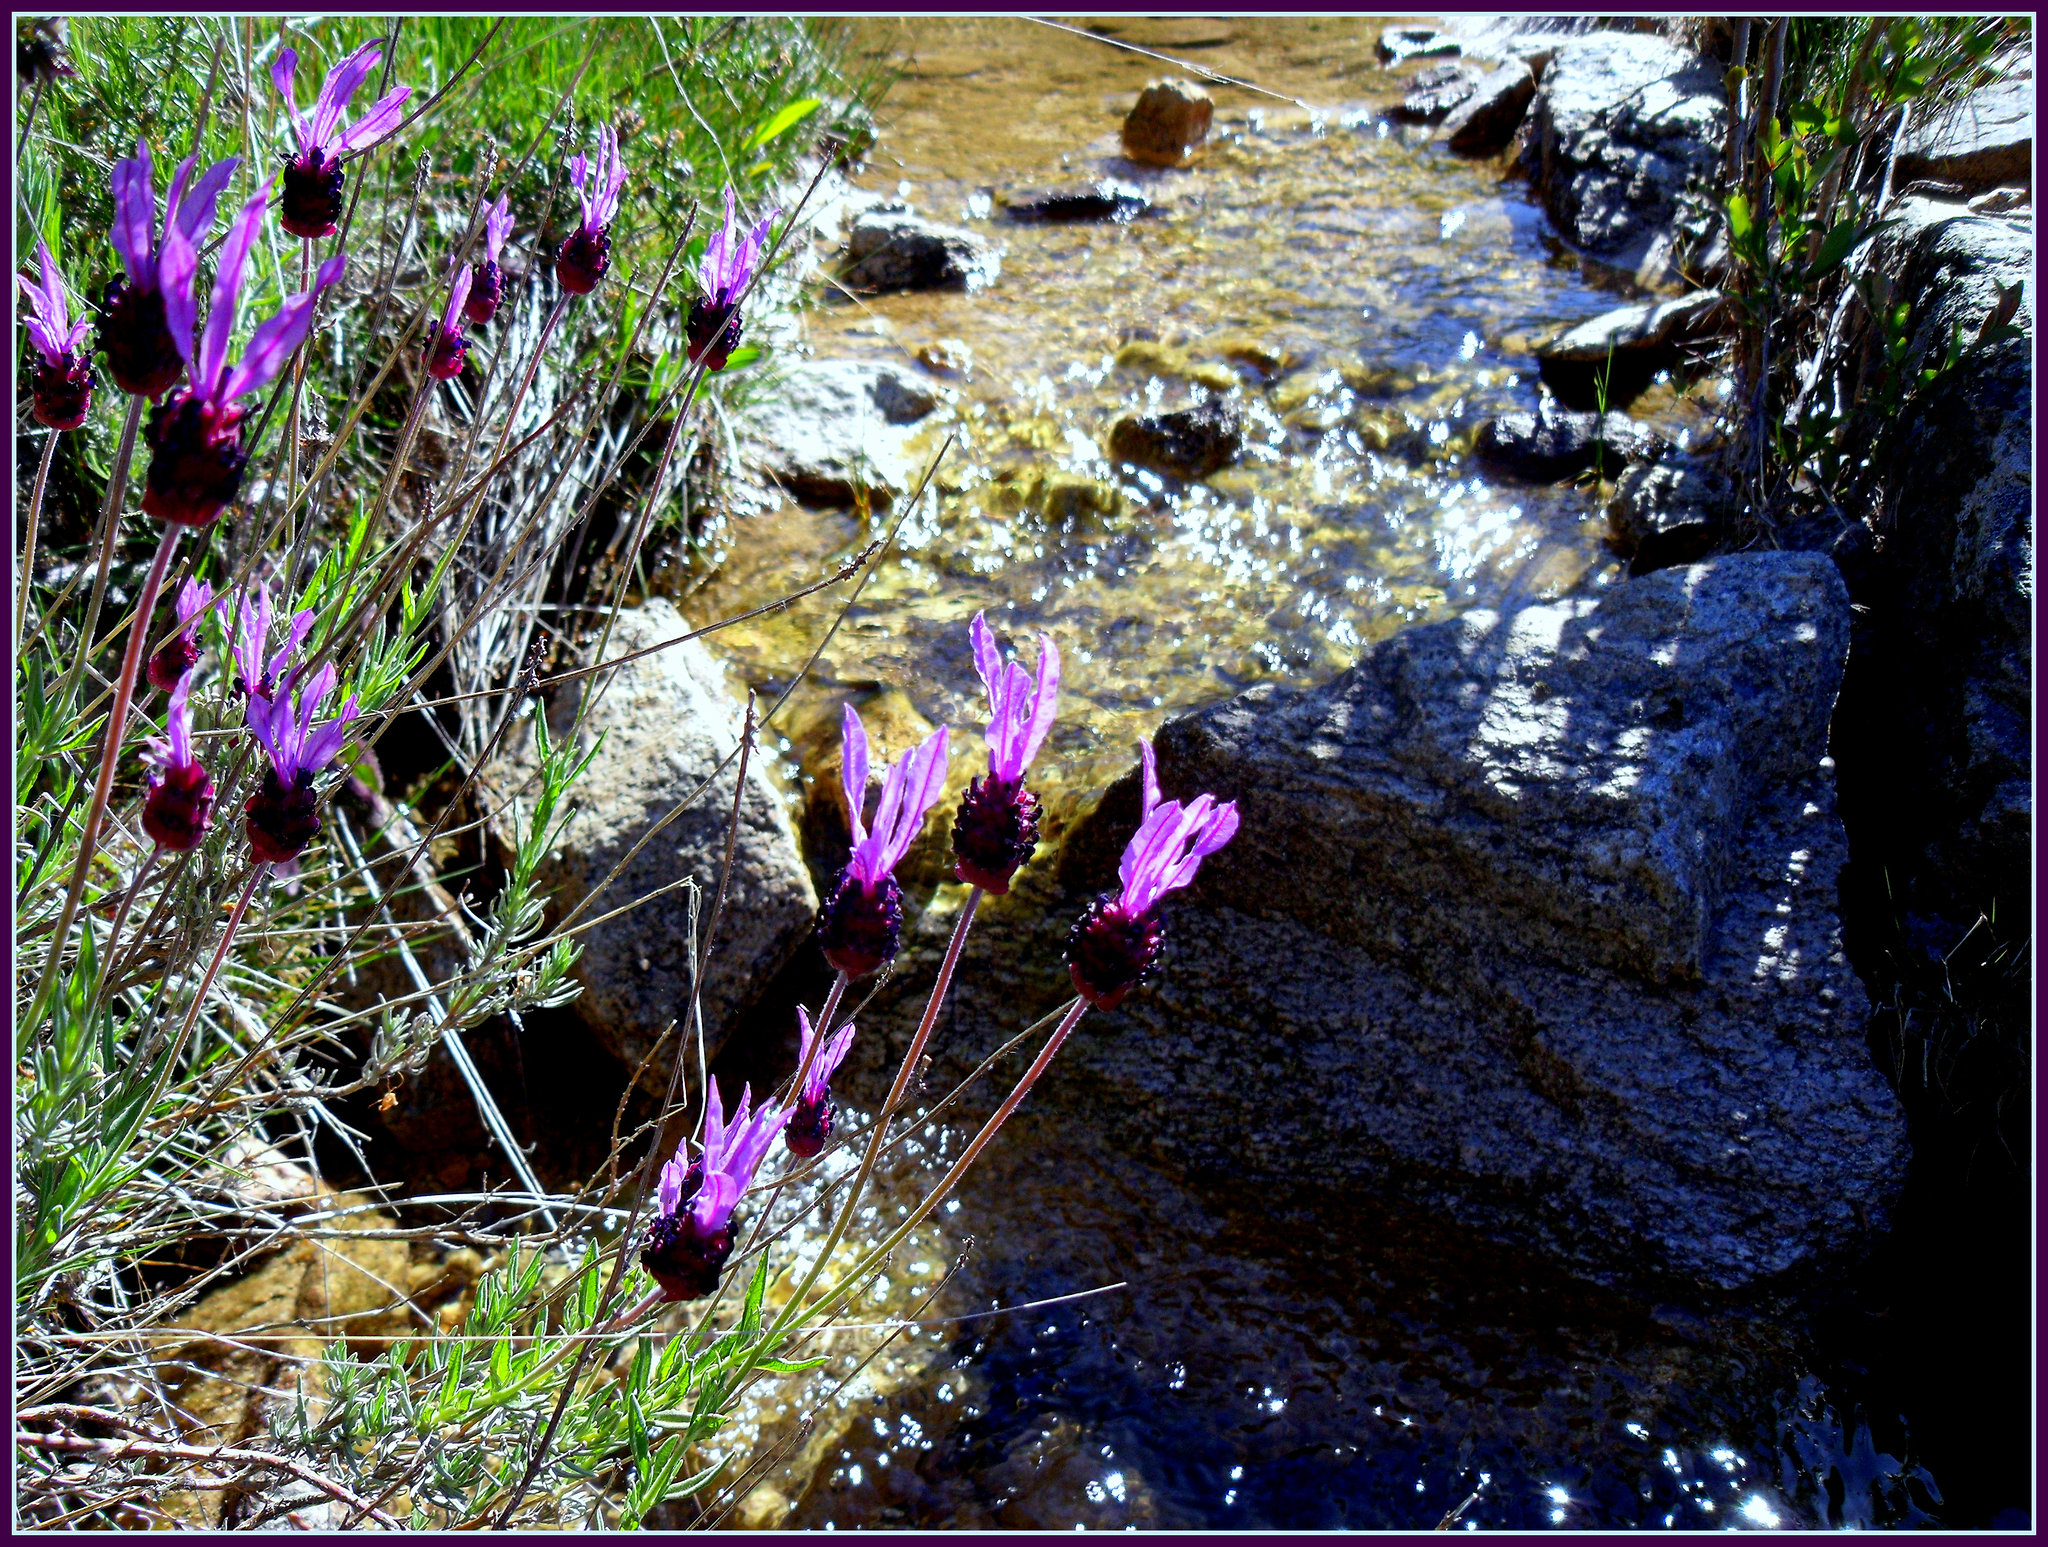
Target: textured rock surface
(1622,120)
(1669,512)
(1169,120)
(1638,340)
(1436,91)
(1489,117)
(1535,917)
(1938,703)
(839,426)
(667,720)
(1552,443)
(1184,443)
(1985,139)
(893,249)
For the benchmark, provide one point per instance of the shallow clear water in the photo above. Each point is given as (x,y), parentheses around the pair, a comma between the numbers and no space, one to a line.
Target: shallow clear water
(1297,1361)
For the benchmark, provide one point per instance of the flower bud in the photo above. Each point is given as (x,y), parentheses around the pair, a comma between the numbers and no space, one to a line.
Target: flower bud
(1109,952)
(861,926)
(994,833)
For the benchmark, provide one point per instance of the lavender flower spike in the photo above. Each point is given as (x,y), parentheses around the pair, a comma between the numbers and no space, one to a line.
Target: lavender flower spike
(198,456)
(996,830)
(282,817)
(180,653)
(861,924)
(447,349)
(142,349)
(179,808)
(255,675)
(688,1242)
(489,289)
(61,381)
(311,206)
(730,258)
(810,1123)
(582,259)
(1116,941)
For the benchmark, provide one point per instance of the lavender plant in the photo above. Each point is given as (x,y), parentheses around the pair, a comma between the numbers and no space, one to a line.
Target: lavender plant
(177,995)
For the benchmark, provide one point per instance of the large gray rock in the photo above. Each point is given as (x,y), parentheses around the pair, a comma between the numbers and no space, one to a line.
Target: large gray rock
(667,720)
(1985,139)
(893,249)
(1622,121)
(1629,345)
(1489,117)
(836,428)
(1938,753)
(1534,917)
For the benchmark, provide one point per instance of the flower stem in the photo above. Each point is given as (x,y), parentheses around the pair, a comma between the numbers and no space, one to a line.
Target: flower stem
(220,954)
(110,520)
(532,366)
(110,755)
(28,549)
(121,918)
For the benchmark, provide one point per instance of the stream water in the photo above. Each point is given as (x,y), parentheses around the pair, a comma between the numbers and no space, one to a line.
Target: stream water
(1299,1361)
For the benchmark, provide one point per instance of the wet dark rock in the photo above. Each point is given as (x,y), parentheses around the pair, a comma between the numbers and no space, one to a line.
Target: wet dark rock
(839,427)
(1554,444)
(1436,91)
(1103,200)
(1183,443)
(2002,201)
(1673,511)
(667,720)
(1937,756)
(1411,42)
(1170,119)
(1533,918)
(1488,118)
(1622,121)
(1985,139)
(1639,340)
(893,249)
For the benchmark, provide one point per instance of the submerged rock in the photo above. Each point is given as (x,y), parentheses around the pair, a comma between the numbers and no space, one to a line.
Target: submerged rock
(1985,139)
(1106,199)
(1170,120)
(1639,340)
(897,250)
(667,720)
(1411,41)
(1533,917)
(1623,120)
(1553,444)
(1489,117)
(837,428)
(1184,443)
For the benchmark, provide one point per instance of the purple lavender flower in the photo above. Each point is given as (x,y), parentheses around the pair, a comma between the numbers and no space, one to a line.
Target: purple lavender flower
(996,830)
(180,653)
(61,381)
(810,1121)
(196,436)
(256,675)
(690,1239)
(861,924)
(178,810)
(489,289)
(311,205)
(135,331)
(584,257)
(1116,941)
(40,48)
(447,349)
(729,261)
(282,817)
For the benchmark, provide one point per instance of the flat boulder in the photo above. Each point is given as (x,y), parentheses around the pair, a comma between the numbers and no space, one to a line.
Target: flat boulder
(1182,443)
(1976,143)
(894,249)
(1489,117)
(667,721)
(1554,444)
(839,428)
(1532,917)
(1639,340)
(1623,120)
(1433,94)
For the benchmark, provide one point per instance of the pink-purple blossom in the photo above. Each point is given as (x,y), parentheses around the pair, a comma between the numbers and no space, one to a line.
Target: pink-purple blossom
(61,380)
(861,923)
(257,673)
(447,349)
(810,1122)
(177,655)
(730,258)
(587,253)
(135,330)
(311,202)
(488,290)
(178,810)
(283,816)
(691,1235)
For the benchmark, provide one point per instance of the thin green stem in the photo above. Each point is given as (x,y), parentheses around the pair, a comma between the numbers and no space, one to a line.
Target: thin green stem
(110,518)
(220,954)
(28,546)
